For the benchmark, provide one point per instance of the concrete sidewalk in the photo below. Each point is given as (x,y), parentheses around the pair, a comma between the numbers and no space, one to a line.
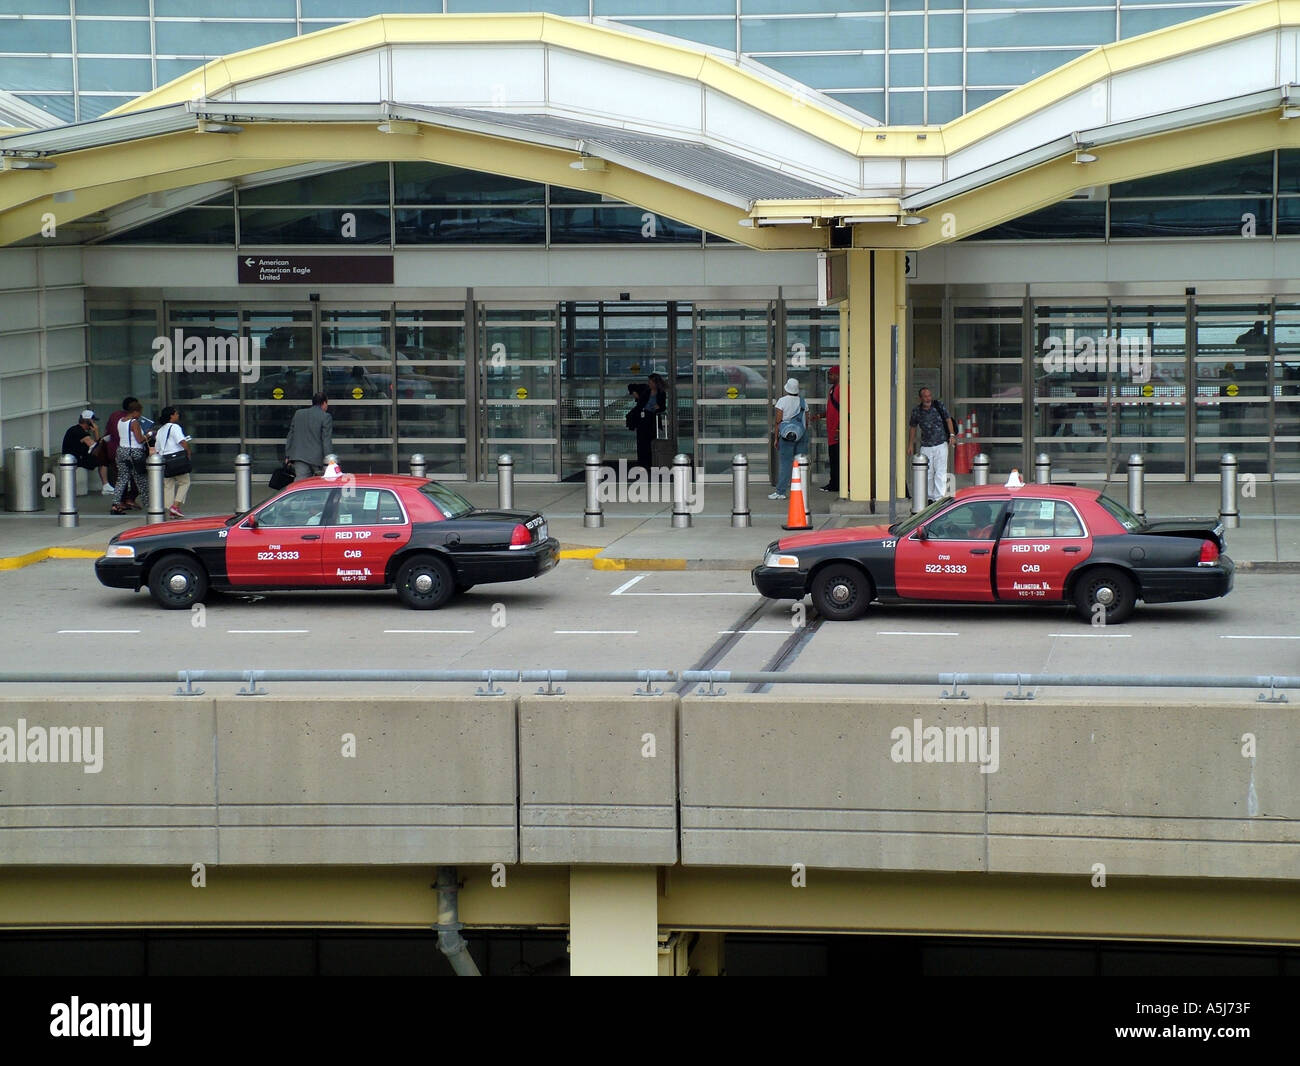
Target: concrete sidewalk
(639,536)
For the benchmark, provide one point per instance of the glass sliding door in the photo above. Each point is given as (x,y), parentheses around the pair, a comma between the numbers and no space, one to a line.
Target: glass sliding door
(1074,388)
(1232,387)
(734,368)
(432,414)
(1151,415)
(518,365)
(989,380)
(359,375)
(210,403)
(812,348)
(1284,384)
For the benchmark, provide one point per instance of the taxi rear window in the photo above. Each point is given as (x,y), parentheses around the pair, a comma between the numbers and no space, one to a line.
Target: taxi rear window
(1131,522)
(450,502)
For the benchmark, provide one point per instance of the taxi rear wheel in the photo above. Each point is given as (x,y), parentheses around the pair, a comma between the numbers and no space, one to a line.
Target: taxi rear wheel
(1105,596)
(177,582)
(424,583)
(841,592)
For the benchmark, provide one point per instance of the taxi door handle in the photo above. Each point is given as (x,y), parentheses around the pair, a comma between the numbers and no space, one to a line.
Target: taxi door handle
(391,536)
(979,551)
(1074,549)
(311,536)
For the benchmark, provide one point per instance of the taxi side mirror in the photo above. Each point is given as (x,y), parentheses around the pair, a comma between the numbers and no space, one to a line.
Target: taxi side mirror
(251,522)
(922,533)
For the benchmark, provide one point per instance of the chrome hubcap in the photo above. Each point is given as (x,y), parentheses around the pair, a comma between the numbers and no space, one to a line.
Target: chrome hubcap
(1105,595)
(841,593)
(178,583)
(423,584)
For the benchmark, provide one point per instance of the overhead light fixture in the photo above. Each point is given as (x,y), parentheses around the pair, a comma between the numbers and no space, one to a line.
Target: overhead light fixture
(1084,157)
(1290,110)
(64,196)
(18,163)
(402,126)
(853,220)
(207,126)
(588,162)
(913,220)
(786,221)
(748,223)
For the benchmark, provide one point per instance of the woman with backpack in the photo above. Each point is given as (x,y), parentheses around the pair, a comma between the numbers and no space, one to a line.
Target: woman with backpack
(790,426)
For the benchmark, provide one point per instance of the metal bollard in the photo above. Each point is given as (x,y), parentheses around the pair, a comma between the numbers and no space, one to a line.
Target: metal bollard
(802,460)
(243,483)
(153,470)
(418,466)
(920,478)
(1137,469)
(980,467)
(740,492)
(594,516)
(68,492)
(1043,469)
(681,481)
(505,482)
(1228,513)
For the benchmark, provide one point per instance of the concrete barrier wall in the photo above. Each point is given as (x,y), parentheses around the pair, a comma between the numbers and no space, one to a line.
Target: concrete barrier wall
(1120,788)
(598,779)
(1198,790)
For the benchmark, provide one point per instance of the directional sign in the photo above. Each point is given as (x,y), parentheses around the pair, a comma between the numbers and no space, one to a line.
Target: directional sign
(315,269)
(909,264)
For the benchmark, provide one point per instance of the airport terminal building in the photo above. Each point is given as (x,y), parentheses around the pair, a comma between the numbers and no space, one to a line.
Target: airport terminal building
(473,229)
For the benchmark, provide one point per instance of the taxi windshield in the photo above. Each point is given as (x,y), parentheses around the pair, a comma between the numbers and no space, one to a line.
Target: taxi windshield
(451,503)
(907,525)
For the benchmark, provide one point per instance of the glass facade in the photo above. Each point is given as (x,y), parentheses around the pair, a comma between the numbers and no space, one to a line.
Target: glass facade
(900,61)
(1180,379)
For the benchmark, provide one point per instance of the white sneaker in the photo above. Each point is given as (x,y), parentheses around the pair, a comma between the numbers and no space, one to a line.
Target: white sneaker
(107,490)
(776,496)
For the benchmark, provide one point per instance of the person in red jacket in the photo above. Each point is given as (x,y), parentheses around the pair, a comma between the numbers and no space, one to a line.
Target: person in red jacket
(832,417)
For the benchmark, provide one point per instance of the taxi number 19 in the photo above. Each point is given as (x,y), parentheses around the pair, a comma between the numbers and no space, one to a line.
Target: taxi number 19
(945,568)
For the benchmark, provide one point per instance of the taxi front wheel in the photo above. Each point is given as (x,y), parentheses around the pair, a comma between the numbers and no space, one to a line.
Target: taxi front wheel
(1105,596)
(177,582)
(841,592)
(424,583)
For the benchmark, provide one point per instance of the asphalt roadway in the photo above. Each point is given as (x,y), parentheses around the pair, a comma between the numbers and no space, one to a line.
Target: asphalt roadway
(58,617)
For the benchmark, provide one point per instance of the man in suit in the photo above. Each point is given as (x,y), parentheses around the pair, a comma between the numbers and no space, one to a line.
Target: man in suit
(311,438)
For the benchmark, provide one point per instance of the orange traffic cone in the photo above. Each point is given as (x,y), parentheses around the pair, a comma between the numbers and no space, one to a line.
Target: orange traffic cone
(796,516)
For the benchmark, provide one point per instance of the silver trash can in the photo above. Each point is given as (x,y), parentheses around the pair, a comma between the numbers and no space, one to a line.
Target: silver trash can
(23,479)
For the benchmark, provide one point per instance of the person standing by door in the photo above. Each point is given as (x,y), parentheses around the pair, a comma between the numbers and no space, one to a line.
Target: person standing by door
(172,443)
(791,431)
(935,425)
(311,438)
(832,417)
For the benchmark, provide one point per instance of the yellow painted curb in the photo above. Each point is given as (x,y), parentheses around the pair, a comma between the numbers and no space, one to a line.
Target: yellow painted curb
(17,562)
(579,553)
(600,563)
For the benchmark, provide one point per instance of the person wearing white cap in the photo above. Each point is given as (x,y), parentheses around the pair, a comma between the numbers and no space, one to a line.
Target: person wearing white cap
(91,452)
(790,427)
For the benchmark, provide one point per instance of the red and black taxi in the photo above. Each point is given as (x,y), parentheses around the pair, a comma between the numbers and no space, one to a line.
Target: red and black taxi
(365,531)
(989,544)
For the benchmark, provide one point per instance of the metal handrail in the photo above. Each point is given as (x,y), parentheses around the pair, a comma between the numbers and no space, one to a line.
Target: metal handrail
(951,683)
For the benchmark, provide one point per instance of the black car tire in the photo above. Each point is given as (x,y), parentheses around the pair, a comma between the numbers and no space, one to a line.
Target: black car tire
(424,583)
(177,582)
(842,592)
(1109,589)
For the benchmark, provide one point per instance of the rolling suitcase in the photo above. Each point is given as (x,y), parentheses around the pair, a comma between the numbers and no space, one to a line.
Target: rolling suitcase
(662,448)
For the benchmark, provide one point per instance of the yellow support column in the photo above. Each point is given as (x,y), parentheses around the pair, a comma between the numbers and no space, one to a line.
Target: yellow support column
(613,921)
(877,300)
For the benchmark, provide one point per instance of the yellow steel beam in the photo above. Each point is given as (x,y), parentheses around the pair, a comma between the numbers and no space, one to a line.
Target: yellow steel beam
(182,159)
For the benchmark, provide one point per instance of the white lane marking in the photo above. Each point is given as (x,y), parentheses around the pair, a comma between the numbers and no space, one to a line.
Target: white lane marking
(751,632)
(750,594)
(1233,636)
(1125,635)
(912,633)
(627,585)
(432,631)
(62,631)
(595,632)
(268,630)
